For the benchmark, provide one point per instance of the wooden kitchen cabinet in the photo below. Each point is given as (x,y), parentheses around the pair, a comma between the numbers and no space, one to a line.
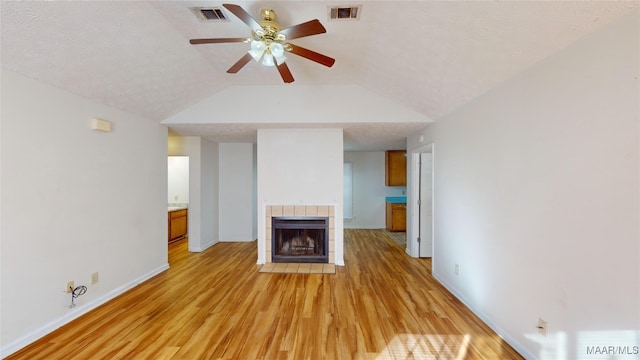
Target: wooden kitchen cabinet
(395,168)
(178,224)
(396,217)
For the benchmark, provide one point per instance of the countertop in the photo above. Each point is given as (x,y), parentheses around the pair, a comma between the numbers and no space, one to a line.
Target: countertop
(175,208)
(396,199)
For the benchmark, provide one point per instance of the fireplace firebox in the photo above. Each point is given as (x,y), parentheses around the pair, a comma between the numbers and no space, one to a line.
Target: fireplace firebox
(300,239)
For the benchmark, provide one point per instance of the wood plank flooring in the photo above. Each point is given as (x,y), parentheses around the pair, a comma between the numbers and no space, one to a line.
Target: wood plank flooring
(217,305)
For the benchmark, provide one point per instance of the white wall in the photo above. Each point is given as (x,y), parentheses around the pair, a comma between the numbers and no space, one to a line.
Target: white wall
(537,199)
(74,201)
(178,179)
(236,192)
(304,104)
(300,167)
(254,189)
(369,190)
(209,182)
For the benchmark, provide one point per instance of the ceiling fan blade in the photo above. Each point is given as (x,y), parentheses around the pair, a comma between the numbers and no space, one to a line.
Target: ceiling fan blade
(308,28)
(240,64)
(311,55)
(243,15)
(216,41)
(283,69)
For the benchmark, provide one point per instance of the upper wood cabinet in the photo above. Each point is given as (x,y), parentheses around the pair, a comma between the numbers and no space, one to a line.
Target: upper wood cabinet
(396,168)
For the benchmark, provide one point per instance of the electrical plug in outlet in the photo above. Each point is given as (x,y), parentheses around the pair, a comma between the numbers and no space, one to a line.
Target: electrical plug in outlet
(70,287)
(542,327)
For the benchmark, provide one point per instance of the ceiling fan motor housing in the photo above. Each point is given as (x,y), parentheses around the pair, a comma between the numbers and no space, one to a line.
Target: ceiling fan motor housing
(270,27)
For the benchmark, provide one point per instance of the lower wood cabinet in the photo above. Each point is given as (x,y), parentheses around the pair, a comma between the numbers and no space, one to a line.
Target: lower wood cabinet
(396,216)
(178,224)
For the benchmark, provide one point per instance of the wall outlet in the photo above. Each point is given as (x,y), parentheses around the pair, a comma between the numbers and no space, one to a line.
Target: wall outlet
(457,269)
(175,197)
(542,327)
(70,286)
(94,278)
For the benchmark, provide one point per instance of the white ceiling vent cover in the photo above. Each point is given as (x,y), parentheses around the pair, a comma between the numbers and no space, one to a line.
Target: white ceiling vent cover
(209,13)
(345,12)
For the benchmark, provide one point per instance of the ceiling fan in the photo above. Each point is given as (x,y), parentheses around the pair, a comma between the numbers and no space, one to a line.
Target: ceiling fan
(269,41)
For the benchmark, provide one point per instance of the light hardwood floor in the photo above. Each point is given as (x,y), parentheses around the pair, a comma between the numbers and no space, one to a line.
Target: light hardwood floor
(217,305)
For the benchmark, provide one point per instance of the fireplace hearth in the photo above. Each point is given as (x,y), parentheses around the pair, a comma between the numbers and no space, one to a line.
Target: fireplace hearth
(300,239)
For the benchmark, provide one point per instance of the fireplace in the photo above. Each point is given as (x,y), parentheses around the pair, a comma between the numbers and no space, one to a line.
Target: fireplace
(300,212)
(300,239)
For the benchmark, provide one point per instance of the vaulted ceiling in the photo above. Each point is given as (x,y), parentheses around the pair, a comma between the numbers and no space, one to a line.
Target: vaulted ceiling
(428,56)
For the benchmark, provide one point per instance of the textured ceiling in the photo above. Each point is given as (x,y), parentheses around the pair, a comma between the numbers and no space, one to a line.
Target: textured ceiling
(429,56)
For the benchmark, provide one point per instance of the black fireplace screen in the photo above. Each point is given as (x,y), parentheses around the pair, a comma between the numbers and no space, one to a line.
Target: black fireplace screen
(296,239)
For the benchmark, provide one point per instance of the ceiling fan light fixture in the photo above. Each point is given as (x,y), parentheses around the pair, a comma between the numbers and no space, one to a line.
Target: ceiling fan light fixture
(280,59)
(258,46)
(267,60)
(276,49)
(256,55)
(257,49)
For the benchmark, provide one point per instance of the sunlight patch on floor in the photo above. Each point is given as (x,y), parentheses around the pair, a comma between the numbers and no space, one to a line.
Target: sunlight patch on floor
(419,346)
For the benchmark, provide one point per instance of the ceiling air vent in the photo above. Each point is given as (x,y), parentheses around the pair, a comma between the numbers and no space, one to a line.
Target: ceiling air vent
(345,13)
(209,14)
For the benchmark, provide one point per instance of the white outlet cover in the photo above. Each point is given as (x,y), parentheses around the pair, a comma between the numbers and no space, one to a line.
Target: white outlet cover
(542,327)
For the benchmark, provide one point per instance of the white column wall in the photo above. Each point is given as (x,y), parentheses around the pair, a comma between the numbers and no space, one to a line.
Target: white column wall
(236,195)
(300,167)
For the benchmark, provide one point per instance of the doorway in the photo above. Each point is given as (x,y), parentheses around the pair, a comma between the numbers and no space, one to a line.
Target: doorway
(422,177)
(177,198)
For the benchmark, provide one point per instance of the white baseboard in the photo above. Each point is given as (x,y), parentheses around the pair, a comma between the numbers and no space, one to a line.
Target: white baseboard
(202,247)
(76,313)
(503,334)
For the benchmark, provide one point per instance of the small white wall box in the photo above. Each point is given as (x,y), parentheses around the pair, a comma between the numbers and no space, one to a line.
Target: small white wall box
(100,125)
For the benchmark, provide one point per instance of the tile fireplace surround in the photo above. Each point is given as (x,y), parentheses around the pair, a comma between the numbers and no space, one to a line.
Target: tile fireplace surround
(302,211)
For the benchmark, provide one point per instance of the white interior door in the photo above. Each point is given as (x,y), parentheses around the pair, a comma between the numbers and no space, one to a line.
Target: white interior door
(426,216)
